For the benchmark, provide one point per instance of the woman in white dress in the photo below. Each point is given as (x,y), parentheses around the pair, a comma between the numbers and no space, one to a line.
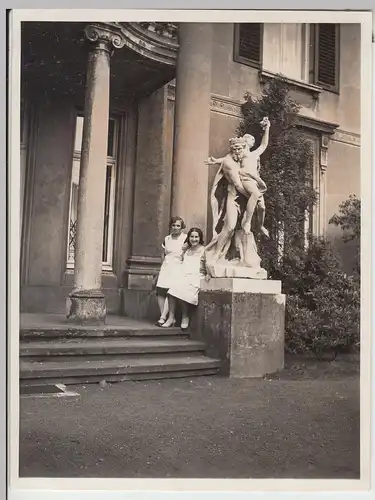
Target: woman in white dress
(186,286)
(172,248)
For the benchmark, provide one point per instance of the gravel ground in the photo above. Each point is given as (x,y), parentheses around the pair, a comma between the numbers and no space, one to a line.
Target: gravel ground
(302,423)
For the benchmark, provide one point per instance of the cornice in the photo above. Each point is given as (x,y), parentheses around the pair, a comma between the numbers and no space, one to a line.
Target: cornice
(149,44)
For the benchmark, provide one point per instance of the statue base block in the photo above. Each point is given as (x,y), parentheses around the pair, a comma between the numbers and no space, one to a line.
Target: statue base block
(236,271)
(242,323)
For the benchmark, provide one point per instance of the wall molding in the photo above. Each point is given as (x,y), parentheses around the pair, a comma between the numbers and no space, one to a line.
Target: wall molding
(225,105)
(231,107)
(347,137)
(218,103)
(319,126)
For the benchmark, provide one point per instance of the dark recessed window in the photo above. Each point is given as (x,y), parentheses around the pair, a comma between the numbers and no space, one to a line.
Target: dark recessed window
(110,192)
(248,41)
(325,57)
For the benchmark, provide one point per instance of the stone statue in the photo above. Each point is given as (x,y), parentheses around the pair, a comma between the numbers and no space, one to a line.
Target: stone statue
(237,191)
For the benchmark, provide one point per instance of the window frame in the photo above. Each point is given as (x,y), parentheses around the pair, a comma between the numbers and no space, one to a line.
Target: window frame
(314,55)
(112,161)
(236,49)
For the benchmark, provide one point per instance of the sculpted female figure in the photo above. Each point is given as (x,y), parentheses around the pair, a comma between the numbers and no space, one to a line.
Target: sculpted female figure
(251,181)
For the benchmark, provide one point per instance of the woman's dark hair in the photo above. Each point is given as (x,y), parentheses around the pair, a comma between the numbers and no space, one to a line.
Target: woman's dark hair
(176,219)
(194,230)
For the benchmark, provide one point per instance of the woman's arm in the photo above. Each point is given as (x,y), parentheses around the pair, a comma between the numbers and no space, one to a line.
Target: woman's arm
(162,251)
(183,251)
(203,268)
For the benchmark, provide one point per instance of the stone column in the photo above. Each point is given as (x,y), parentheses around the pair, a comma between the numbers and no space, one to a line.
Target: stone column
(86,304)
(192,123)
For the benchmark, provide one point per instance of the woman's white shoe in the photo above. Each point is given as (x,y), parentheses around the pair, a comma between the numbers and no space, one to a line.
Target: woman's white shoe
(184,323)
(169,323)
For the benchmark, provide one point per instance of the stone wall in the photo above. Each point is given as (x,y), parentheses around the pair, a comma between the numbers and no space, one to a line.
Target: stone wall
(47,194)
(45,280)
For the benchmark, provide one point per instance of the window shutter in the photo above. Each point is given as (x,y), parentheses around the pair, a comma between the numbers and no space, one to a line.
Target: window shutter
(327,55)
(249,44)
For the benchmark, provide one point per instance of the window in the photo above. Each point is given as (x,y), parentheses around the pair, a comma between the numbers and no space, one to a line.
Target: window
(108,227)
(248,42)
(324,56)
(285,47)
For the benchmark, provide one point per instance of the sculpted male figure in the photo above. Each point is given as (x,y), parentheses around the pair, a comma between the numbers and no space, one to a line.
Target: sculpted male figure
(229,169)
(251,182)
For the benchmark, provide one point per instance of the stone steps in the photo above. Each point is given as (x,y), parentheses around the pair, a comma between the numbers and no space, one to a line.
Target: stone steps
(81,332)
(53,351)
(122,368)
(106,346)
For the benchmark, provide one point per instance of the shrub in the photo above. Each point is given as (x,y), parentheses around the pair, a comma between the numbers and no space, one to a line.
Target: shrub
(323,303)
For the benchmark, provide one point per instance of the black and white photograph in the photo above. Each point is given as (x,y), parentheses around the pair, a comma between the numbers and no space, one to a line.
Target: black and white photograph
(189,246)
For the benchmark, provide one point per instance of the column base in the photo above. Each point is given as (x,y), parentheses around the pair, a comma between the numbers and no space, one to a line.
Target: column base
(86,307)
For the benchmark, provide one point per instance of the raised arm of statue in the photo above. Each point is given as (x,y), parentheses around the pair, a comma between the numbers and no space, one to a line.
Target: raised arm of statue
(265,124)
(213,161)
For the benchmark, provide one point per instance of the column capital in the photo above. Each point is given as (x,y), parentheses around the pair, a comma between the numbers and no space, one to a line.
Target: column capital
(104,37)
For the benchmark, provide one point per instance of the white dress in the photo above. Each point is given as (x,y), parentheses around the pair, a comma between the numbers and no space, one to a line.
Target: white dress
(172,260)
(187,285)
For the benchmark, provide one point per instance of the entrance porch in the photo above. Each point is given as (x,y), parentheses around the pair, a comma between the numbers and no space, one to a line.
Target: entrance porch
(107,160)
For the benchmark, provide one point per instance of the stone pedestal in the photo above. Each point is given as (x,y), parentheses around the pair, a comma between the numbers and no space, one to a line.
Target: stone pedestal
(242,322)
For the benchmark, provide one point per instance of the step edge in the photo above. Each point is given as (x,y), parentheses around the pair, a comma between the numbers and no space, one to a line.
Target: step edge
(26,373)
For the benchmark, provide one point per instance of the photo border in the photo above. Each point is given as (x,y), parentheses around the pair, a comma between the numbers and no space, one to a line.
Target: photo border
(13,289)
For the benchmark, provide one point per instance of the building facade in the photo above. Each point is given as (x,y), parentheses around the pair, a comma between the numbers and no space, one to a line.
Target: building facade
(131,111)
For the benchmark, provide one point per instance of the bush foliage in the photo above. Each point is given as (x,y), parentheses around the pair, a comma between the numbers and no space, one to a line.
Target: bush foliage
(323,302)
